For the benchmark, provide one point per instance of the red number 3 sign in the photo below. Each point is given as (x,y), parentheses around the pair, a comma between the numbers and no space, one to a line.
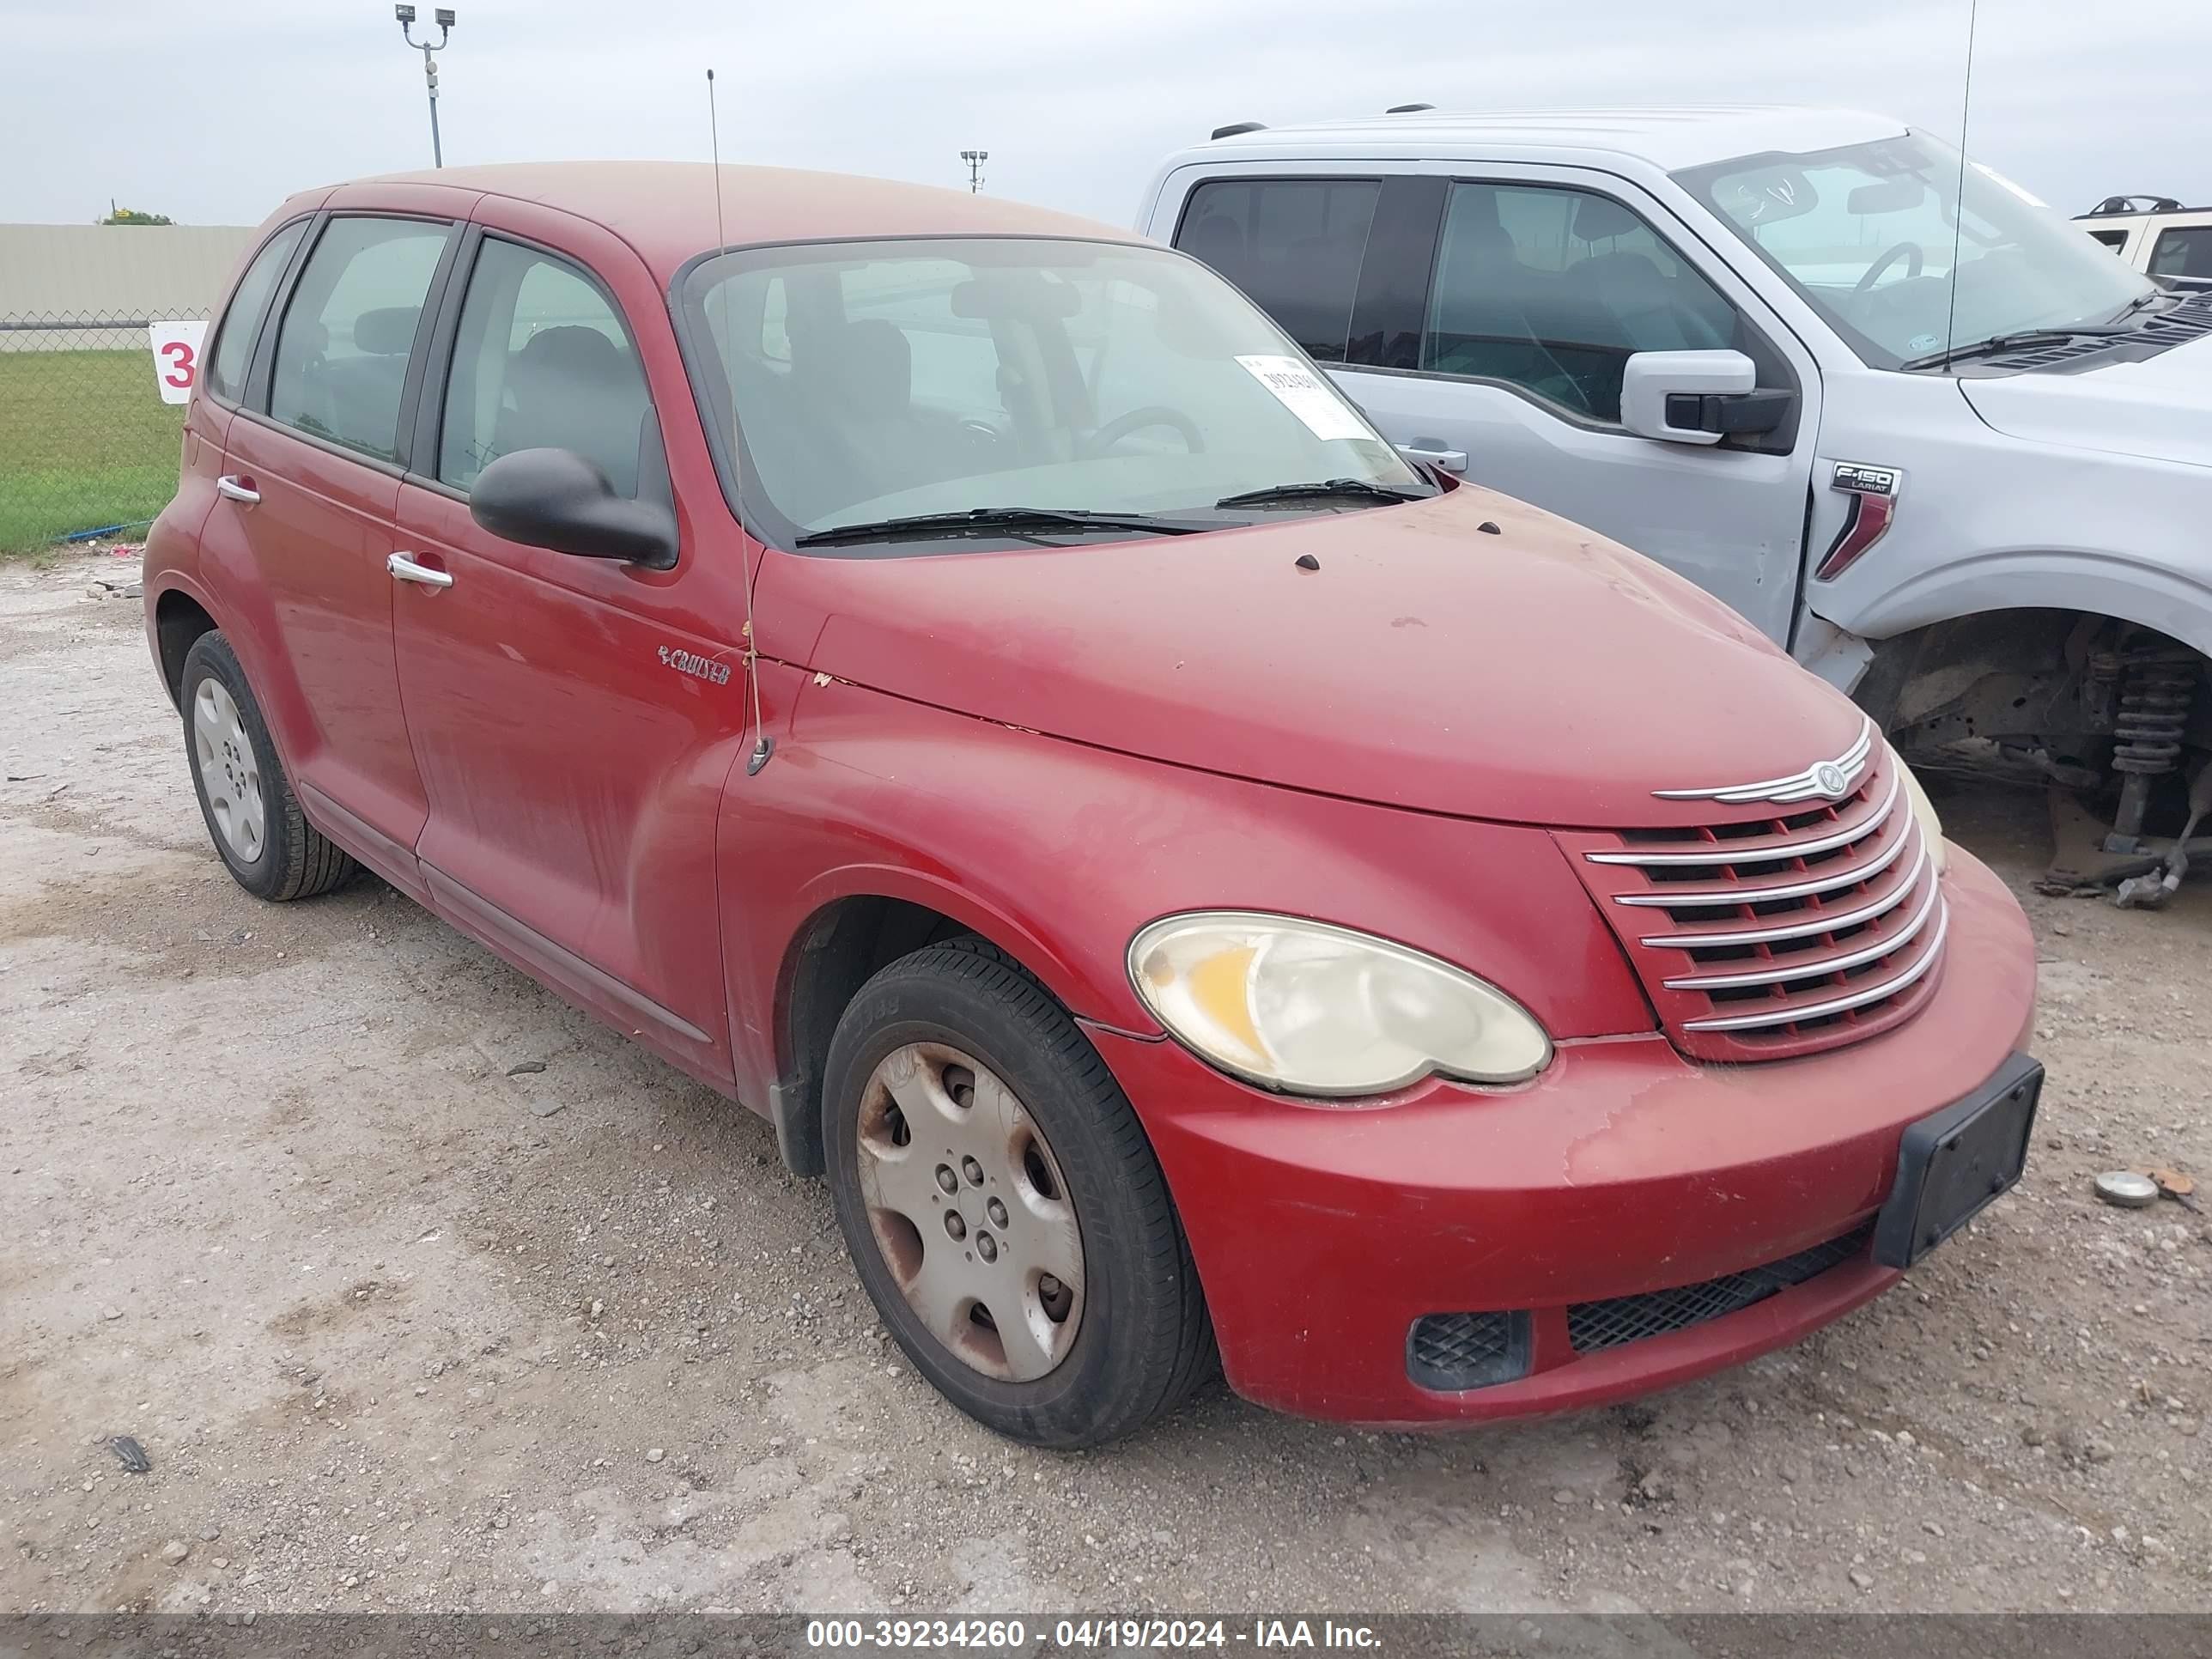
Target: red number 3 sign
(176,358)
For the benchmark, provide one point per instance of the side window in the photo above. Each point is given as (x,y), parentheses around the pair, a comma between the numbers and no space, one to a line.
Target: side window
(541,360)
(1553,290)
(1294,245)
(342,351)
(241,318)
(2184,251)
(2113,239)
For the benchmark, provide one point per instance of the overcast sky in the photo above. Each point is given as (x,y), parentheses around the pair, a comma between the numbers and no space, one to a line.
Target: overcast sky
(213,113)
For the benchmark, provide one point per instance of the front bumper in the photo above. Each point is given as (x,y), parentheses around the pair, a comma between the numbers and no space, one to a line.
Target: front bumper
(1323,1234)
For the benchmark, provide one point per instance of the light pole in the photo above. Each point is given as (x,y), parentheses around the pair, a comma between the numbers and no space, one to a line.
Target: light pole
(444,16)
(975,159)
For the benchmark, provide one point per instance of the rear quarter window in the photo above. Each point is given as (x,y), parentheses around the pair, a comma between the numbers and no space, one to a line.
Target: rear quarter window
(241,318)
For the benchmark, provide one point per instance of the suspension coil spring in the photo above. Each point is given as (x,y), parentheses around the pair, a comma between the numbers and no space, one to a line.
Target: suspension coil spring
(2153,713)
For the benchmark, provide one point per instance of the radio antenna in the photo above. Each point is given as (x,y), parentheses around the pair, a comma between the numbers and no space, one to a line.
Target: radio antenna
(1959,207)
(763,745)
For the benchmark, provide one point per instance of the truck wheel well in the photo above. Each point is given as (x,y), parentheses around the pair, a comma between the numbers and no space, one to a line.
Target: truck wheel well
(837,951)
(2042,682)
(178,621)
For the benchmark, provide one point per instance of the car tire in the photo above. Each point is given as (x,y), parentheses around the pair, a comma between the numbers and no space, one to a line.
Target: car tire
(246,797)
(1142,1340)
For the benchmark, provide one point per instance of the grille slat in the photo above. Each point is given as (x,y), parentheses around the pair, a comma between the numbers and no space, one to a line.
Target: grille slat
(1727,933)
(1780,972)
(1782,847)
(1592,1326)
(1796,930)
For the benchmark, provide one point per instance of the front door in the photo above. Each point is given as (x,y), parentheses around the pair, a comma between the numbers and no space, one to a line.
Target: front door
(573,719)
(1483,324)
(311,473)
(1541,291)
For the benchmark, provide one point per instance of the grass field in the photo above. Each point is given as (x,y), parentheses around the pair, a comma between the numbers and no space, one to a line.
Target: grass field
(85,441)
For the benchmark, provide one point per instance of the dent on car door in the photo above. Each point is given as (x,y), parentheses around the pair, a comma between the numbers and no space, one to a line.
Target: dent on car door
(574,718)
(311,463)
(1540,293)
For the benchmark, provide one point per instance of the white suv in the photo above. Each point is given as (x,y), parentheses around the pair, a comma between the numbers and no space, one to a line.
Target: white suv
(1729,338)
(2155,235)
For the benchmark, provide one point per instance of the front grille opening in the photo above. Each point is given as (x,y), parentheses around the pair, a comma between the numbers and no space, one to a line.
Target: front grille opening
(1705,954)
(1689,872)
(1595,1326)
(1751,831)
(1741,992)
(1451,1354)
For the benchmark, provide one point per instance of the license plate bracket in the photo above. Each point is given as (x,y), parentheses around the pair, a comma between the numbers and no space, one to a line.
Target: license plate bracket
(1952,1164)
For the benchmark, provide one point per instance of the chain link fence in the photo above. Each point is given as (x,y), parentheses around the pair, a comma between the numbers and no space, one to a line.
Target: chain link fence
(86,443)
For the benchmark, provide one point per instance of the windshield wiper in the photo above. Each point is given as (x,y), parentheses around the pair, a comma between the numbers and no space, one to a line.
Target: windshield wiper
(2025,337)
(1326,487)
(2140,301)
(1008,520)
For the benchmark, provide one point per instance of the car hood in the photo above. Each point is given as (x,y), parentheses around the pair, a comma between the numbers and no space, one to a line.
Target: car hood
(1540,674)
(2160,408)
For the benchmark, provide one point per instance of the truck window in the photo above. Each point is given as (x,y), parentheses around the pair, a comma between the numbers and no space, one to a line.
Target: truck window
(1551,290)
(1294,245)
(2112,238)
(2186,251)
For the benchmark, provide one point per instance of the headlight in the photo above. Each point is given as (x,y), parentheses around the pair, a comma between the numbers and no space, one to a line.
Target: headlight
(1931,827)
(1315,1009)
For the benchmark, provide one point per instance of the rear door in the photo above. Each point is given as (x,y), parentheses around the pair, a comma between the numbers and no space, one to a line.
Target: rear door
(1485,322)
(573,718)
(222,382)
(311,465)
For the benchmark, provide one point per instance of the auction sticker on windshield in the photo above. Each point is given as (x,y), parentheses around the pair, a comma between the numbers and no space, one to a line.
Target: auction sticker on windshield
(1300,389)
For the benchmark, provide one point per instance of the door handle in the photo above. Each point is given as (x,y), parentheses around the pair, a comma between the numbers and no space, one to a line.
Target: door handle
(230,487)
(403,569)
(1451,461)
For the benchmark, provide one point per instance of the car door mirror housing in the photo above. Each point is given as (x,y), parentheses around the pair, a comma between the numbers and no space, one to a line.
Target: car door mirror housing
(1698,397)
(557,498)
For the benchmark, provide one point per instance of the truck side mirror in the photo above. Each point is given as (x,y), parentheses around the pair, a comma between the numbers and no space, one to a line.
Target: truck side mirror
(1698,397)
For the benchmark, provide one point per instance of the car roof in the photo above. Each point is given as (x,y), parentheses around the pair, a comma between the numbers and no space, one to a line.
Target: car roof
(1669,137)
(667,209)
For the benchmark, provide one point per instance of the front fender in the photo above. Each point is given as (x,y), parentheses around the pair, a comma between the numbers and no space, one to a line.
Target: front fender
(2113,585)
(1059,853)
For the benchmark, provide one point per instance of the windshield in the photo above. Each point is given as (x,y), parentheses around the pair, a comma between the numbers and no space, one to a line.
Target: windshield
(894,379)
(1866,233)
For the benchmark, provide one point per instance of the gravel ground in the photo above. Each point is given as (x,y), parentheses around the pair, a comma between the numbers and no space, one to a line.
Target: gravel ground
(422,1291)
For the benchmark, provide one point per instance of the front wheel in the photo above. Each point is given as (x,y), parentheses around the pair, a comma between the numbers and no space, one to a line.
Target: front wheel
(1003,1207)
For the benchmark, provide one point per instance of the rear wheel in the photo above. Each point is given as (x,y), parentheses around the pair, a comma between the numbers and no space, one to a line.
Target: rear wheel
(1002,1205)
(253,816)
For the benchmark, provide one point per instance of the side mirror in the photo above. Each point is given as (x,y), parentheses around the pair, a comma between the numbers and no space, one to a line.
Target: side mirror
(555,498)
(1698,397)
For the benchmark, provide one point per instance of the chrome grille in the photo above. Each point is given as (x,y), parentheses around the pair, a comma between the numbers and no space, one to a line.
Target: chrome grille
(1795,928)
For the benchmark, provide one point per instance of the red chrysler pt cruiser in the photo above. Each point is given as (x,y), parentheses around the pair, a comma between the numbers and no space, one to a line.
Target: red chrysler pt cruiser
(955,679)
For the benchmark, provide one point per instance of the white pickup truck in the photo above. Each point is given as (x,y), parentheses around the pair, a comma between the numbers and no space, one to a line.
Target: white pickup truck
(1908,420)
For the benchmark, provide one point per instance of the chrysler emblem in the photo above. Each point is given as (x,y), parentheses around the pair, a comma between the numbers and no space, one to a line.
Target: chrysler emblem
(1824,779)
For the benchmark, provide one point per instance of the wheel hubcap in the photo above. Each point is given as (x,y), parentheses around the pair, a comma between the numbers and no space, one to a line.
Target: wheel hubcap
(229,773)
(969,1211)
